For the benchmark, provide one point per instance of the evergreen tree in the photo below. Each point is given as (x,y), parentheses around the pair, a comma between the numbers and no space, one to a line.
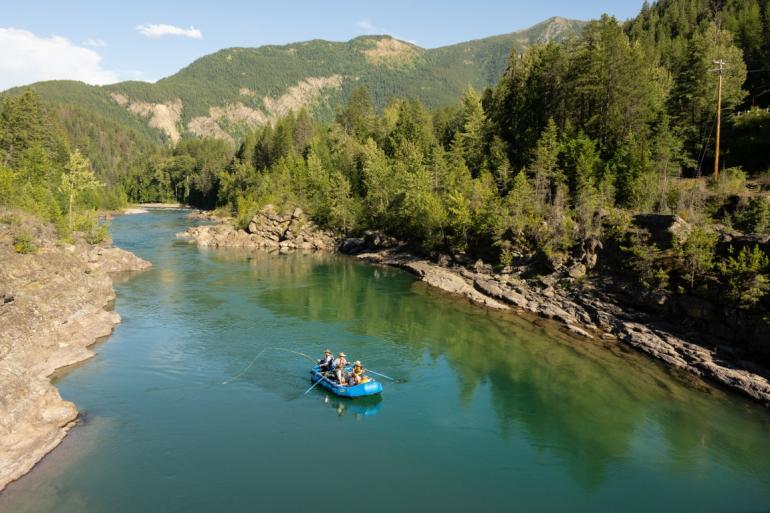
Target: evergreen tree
(358,116)
(694,96)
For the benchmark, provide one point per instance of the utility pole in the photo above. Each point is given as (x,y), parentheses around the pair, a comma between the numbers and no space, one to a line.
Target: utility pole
(719,70)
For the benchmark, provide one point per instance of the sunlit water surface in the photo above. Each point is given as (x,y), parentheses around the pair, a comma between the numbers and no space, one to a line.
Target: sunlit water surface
(492,414)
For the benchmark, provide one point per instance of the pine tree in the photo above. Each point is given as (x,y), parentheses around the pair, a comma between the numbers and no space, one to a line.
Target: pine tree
(358,116)
(693,98)
(471,135)
(545,165)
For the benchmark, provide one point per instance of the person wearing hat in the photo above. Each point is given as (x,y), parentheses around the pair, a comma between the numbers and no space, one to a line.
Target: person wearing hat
(338,366)
(357,376)
(325,363)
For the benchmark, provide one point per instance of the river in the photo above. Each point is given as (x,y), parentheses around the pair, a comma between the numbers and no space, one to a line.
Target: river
(491,413)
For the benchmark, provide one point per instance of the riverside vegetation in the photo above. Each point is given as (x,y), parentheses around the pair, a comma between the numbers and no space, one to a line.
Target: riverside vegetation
(586,160)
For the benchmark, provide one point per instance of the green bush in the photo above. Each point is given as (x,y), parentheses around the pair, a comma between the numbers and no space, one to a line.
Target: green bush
(99,232)
(94,231)
(646,261)
(753,216)
(744,274)
(731,181)
(24,244)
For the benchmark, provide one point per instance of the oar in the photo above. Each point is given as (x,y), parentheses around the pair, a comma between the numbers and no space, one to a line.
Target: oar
(321,378)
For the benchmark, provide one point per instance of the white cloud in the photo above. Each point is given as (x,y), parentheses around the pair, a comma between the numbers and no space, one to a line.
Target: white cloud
(161,29)
(27,58)
(95,42)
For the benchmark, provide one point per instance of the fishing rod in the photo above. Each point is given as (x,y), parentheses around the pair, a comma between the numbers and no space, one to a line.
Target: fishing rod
(382,375)
(259,354)
(228,381)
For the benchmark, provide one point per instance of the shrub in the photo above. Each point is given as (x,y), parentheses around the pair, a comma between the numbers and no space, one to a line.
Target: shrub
(94,231)
(731,181)
(24,244)
(747,284)
(696,253)
(753,216)
(245,208)
(99,232)
(646,260)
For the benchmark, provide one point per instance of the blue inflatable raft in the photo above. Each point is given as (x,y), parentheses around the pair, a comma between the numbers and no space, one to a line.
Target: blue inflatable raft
(371,387)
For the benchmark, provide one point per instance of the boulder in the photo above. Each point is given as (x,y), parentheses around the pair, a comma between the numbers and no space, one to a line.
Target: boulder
(376,240)
(353,245)
(500,291)
(665,230)
(577,271)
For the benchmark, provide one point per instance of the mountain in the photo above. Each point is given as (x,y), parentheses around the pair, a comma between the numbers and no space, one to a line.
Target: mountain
(226,93)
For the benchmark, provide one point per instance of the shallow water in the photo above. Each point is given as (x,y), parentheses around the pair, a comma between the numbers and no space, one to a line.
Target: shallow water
(492,413)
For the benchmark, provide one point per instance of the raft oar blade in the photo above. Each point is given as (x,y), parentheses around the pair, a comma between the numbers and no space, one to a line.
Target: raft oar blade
(312,387)
(314,384)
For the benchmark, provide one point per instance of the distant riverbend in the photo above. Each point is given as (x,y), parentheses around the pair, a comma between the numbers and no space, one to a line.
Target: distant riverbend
(489,408)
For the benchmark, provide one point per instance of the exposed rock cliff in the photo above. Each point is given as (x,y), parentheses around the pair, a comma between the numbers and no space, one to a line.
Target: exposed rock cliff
(55,304)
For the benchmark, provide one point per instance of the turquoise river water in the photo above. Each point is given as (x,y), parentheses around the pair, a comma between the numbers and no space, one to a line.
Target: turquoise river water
(492,413)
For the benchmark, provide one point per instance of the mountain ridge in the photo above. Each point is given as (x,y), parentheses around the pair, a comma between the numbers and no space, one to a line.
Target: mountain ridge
(232,90)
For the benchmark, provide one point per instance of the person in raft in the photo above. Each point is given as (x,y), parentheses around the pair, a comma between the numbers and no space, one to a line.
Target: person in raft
(357,376)
(325,363)
(338,366)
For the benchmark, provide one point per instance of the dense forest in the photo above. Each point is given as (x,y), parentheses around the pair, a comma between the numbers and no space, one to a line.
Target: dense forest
(543,168)
(44,173)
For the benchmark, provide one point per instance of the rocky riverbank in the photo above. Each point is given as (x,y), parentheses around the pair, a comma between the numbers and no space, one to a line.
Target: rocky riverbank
(55,302)
(268,230)
(583,307)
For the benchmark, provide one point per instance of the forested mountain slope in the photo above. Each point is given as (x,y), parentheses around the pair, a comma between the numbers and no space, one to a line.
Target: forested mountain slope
(236,89)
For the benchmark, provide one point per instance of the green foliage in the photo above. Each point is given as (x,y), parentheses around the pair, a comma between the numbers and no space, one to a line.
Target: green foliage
(731,181)
(696,253)
(745,276)
(753,216)
(24,244)
(646,260)
(77,179)
(93,230)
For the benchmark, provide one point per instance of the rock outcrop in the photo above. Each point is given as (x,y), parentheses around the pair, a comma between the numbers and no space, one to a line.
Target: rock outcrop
(55,304)
(268,230)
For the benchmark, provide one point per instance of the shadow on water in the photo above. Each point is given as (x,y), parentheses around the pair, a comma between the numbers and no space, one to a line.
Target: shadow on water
(587,403)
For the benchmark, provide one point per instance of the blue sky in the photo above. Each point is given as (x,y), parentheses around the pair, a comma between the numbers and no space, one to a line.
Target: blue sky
(102,42)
